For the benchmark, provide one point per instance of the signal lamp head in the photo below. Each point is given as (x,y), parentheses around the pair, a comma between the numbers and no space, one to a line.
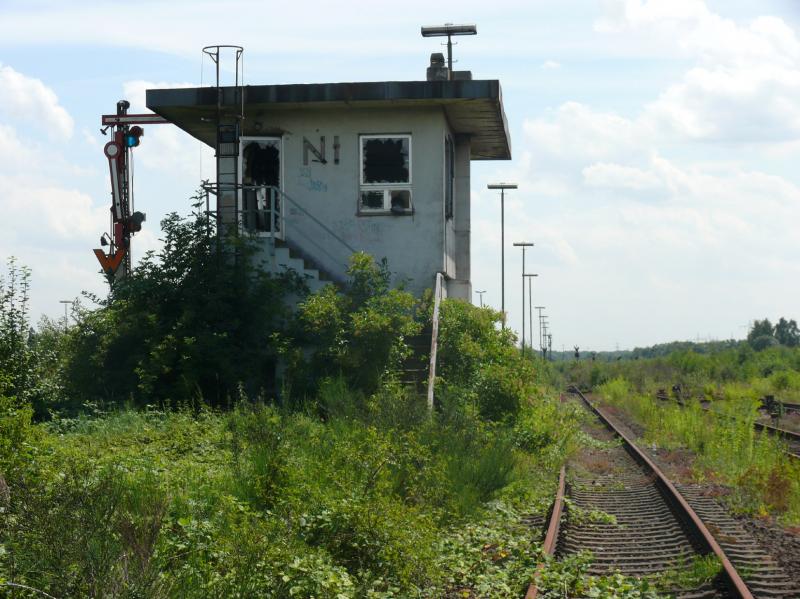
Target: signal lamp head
(132,136)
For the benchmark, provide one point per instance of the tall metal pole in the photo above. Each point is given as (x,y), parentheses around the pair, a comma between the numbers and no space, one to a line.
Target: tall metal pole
(480,295)
(524,245)
(539,309)
(66,317)
(502,187)
(503,255)
(529,276)
(530,307)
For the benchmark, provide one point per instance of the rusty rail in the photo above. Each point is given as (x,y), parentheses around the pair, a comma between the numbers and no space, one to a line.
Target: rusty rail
(735,582)
(549,546)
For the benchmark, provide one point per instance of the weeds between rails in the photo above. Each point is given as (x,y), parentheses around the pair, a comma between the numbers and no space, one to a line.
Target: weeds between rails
(791,438)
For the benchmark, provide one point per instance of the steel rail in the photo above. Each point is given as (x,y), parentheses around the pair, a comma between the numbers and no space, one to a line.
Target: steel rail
(549,546)
(735,581)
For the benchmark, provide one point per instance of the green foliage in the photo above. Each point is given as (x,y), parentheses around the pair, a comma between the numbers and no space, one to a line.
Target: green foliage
(16,436)
(17,360)
(479,362)
(787,333)
(699,570)
(568,578)
(192,321)
(377,501)
(359,334)
(760,329)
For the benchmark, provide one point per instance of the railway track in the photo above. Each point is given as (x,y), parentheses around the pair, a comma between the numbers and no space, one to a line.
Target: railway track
(791,438)
(625,511)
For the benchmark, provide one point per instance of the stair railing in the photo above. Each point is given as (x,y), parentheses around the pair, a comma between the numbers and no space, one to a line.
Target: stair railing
(264,210)
(438,295)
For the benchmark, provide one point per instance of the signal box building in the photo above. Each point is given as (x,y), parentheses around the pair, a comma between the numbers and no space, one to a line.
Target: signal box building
(322,170)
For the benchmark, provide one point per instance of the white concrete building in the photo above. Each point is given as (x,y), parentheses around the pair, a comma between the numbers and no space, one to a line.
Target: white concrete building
(322,170)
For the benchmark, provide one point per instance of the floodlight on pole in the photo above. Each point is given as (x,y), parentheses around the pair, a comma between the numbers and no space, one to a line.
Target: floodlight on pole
(480,295)
(524,245)
(449,30)
(502,187)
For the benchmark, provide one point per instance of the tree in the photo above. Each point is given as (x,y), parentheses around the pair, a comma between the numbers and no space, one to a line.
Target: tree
(761,335)
(787,333)
(195,320)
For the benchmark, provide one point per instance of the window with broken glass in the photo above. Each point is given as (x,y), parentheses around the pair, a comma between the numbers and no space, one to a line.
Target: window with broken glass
(261,179)
(385,174)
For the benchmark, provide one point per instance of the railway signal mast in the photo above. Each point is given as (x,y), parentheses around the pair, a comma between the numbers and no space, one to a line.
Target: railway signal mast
(126,131)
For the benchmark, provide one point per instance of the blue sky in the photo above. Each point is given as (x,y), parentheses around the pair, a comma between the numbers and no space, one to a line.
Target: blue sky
(655,142)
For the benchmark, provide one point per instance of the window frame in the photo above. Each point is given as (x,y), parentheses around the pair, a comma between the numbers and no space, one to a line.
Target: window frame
(243,141)
(386,188)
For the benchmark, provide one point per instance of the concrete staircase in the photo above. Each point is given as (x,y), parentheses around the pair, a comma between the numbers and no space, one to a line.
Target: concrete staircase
(287,257)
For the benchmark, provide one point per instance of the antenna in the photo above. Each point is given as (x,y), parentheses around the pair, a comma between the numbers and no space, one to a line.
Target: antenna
(449,30)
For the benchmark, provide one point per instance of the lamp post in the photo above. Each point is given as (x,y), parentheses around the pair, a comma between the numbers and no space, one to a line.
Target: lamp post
(530,305)
(480,295)
(524,245)
(502,187)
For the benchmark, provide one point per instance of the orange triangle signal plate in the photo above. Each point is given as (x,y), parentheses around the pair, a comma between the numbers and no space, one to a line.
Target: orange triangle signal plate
(110,263)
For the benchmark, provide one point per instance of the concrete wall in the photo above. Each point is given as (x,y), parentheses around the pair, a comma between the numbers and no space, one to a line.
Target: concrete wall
(461,284)
(413,244)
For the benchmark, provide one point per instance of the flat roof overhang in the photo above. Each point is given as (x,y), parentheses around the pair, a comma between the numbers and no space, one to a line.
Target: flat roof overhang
(474,108)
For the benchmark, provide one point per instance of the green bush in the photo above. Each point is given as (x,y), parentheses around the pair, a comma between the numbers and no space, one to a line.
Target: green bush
(193,321)
(500,391)
(358,334)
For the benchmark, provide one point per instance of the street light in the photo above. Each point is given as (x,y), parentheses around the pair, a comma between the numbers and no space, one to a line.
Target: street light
(524,245)
(449,30)
(502,187)
(480,295)
(530,306)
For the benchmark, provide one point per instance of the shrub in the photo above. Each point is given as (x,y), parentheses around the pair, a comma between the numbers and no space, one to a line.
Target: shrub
(359,334)
(192,321)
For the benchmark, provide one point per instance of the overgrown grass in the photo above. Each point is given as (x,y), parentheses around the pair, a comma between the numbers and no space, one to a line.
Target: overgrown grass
(763,478)
(259,501)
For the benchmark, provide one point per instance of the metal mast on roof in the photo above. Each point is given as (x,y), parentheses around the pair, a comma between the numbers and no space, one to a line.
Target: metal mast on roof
(449,30)
(228,131)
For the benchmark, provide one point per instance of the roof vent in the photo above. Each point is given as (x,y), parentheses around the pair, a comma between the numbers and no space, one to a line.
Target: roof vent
(438,71)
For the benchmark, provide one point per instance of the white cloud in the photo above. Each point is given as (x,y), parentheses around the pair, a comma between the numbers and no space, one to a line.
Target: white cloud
(575,132)
(27,99)
(32,210)
(604,174)
(745,86)
(169,149)
(549,65)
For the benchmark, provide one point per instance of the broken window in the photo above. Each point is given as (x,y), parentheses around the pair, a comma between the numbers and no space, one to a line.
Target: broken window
(385,174)
(261,180)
